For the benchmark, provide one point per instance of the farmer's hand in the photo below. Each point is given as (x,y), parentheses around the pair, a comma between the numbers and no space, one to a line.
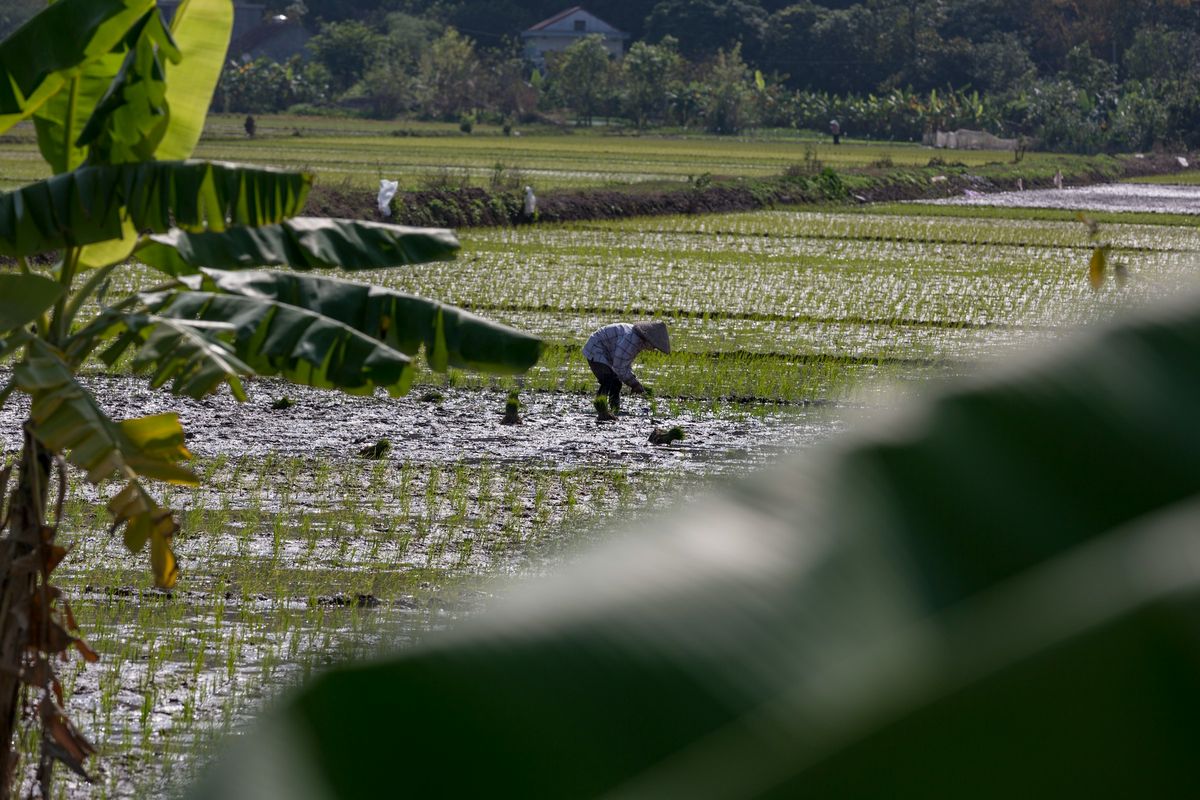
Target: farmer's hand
(637,388)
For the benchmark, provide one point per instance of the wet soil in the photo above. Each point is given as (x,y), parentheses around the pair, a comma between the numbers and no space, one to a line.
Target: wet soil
(262,606)
(558,430)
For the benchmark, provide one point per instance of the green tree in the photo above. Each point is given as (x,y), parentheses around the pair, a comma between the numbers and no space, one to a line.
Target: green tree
(705,26)
(264,85)
(729,93)
(448,79)
(581,76)
(1001,65)
(649,73)
(346,49)
(390,79)
(787,41)
(119,102)
(506,92)
(407,37)
(1161,54)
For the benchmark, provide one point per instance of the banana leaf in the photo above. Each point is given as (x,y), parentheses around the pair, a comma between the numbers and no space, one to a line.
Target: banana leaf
(130,120)
(326,331)
(65,417)
(303,243)
(189,353)
(305,346)
(996,593)
(41,57)
(23,298)
(201,29)
(57,128)
(95,204)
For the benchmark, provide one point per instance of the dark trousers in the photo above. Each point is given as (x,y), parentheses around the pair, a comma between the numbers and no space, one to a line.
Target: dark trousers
(610,384)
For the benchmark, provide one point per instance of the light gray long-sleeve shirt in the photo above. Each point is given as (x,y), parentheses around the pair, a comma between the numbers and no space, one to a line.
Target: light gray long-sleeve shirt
(616,345)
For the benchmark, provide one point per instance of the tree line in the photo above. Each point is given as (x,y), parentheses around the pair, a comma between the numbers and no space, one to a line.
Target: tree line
(1086,76)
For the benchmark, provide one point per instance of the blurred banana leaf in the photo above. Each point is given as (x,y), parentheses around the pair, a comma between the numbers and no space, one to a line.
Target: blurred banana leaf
(994,595)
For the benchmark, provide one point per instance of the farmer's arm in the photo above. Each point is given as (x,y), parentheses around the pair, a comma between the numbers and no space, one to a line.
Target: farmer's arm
(627,350)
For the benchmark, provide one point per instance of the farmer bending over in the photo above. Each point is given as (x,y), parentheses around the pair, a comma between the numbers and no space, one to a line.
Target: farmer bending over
(611,350)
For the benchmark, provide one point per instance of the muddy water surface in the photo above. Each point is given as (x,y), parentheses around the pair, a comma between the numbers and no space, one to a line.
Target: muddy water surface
(297,552)
(1156,198)
(559,430)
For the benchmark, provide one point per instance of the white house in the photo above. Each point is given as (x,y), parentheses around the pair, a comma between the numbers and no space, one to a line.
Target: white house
(567,27)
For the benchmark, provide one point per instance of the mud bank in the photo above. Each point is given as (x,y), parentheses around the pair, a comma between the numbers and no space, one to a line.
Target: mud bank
(941,178)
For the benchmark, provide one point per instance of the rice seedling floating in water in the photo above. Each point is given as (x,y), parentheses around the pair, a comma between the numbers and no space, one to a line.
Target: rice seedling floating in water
(377,450)
(283,403)
(673,434)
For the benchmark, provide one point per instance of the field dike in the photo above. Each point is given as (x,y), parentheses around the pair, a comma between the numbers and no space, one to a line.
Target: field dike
(477,207)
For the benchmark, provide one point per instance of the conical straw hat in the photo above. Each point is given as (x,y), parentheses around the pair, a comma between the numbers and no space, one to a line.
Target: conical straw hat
(656,334)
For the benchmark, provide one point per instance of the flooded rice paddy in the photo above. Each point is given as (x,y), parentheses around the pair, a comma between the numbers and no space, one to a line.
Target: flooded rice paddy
(296,551)
(1118,197)
(448,425)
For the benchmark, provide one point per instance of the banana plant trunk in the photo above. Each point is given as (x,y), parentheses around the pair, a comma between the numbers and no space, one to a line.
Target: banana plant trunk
(17,584)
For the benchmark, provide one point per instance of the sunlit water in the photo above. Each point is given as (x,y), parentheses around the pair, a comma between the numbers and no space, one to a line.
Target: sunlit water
(1154,198)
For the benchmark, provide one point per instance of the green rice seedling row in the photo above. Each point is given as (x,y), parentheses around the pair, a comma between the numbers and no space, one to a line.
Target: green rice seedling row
(289,569)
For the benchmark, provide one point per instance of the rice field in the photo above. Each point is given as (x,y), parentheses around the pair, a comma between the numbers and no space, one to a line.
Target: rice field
(359,153)
(787,326)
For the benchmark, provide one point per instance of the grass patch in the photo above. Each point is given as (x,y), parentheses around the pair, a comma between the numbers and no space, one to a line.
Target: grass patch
(1187,178)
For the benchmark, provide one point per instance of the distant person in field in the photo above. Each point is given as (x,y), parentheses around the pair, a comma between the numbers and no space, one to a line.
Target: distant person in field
(611,350)
(836,129)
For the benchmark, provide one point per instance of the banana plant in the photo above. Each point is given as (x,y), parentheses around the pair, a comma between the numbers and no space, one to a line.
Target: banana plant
(117,96)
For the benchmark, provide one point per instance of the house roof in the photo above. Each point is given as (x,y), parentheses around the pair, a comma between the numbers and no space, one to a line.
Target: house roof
(549,22)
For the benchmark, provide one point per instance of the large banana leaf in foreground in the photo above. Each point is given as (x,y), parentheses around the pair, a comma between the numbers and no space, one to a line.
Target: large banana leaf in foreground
(332,333)
(23,298)
(58,143)
(95,204)
(996,595)
(50,50)
(303,243)
(201,29)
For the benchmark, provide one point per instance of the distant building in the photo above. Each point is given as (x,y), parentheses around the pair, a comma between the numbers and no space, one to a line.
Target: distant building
(255,33)
(567,27)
